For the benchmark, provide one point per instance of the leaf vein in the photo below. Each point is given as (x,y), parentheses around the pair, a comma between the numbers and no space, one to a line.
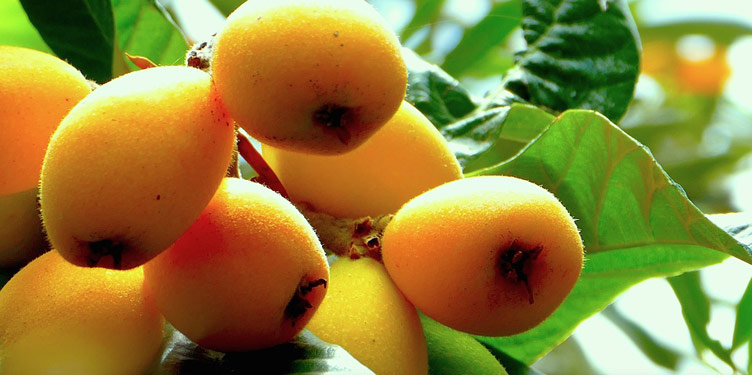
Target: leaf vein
(611,167)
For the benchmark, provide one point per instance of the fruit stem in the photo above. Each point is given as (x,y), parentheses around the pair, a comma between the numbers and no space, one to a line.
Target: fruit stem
(266,175)
(200,55)
(345,237)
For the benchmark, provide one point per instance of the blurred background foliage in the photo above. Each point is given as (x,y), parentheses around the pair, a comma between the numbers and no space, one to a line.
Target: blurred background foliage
(697,129)
(692,108)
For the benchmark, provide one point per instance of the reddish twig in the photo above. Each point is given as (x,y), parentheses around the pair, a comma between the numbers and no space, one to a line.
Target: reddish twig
(266,175)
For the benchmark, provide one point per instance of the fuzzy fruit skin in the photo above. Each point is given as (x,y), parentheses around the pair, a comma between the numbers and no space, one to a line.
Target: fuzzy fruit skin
(278,63)
(21,237)
(443,249)
(364,313)
(454,352)
(36,91)
(132,166)
(404,158)
(226,283)
(62,319)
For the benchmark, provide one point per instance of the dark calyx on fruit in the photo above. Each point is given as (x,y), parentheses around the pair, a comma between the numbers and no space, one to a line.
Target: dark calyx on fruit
(298,304)
(103,248)
(333,117)
(514,264)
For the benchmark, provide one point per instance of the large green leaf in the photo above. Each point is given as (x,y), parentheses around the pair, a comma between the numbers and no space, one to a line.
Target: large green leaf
(485,138)
(145,29)
(93,34)
(635,222)
(306,354)
(676,126)
(480,39)
(79,31)
(611,184)
(580,54)
(479,138)
(434,92)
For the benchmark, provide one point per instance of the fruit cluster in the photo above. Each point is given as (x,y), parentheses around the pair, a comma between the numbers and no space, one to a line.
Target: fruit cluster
(145,225)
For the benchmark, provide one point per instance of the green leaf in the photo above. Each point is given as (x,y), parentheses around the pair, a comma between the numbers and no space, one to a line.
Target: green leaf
(16,30)
(635,222)
(511,364)
(743,327)
(676,126)
(648,345)
(480,39)
(580,54)
(434,92)
(453,352)
(486,138)
(79,31)
(696,311)
(738,224)
(479,138)
(93,34)
(145,29)
(306,354)
(701,173)
(611,184)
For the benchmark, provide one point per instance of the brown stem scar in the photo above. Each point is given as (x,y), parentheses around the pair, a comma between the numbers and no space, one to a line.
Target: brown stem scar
(102,248)
(298,304)
(362,228)
(373,243)
(332,116)
(514,264)
(305,289)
